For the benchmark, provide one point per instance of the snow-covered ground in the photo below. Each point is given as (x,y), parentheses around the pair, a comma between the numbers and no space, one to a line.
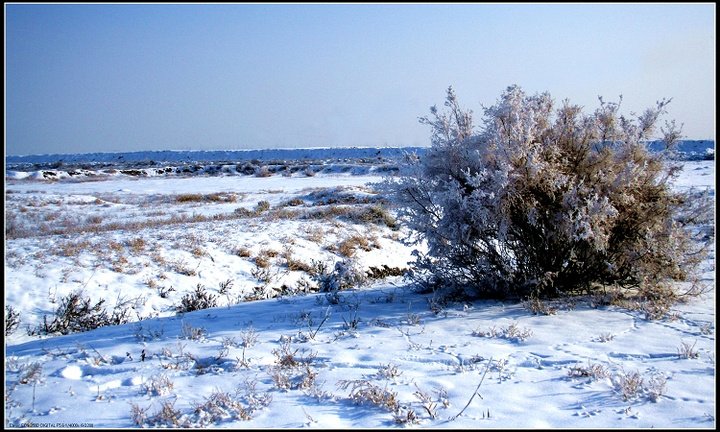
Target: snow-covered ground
(274,353)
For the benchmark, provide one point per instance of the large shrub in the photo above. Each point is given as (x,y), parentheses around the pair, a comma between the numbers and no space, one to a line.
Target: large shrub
(544,201)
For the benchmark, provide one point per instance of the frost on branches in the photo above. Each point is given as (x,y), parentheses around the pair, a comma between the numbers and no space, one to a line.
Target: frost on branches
(544,201)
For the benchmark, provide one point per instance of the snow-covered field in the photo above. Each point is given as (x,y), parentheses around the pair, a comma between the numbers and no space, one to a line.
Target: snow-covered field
(274,352)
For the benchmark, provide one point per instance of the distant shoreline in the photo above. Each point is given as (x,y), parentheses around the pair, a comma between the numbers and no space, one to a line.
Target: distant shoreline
(688,149)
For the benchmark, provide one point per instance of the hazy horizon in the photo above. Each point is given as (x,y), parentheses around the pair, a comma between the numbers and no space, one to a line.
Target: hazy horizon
(83,78)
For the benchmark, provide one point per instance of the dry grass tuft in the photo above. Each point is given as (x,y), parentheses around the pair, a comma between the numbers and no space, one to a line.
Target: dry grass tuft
(364,392)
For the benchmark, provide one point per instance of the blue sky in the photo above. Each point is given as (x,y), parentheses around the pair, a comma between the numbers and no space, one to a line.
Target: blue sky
(128,77)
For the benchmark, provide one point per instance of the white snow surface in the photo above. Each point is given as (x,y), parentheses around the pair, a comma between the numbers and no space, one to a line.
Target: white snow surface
(483,364)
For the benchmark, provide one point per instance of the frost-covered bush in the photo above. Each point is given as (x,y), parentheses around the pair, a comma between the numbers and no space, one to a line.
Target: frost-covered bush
(344,275)
(545,201)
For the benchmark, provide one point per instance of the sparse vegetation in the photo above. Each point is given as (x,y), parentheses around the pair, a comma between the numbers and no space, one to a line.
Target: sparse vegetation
(511,332)
(309,253)
(212,197)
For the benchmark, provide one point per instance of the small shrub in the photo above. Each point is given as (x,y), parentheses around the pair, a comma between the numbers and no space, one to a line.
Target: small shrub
(249,336)
(429,405)
(165,292)
(352,322)
(687,351)
(294,202)
(378,215)
(345,275)
(75,314)
(263,171)
(30,373)
(262,207)
(411,318)
(263,260)
(94,219)
(311,323)
(606,337)
(291,263)
(224,287)
(167,416)
(264,275)
(406,417)
(657,386)
(143,333)
(388,371)
(632,385)
(137,244)
(292,370)
(315,234)
(385,272)
(511,332)
(347,246)
(593,371)
(150,282)
(272,253)
(138,415)
(12,320)
(707,329)
(539,307)
(180,266)
(365,392)
(197,251)
(629,384)
(199,299)
(220,406)
(157,385)
(192,333)
(187,198)
(243,252)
